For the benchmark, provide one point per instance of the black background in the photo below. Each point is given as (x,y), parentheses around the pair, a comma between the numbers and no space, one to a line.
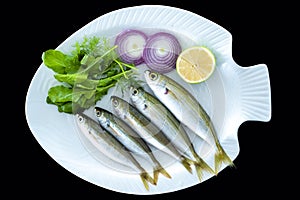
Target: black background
(46,24)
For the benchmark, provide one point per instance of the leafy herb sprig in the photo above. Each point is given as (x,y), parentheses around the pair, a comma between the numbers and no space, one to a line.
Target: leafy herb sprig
(86,74)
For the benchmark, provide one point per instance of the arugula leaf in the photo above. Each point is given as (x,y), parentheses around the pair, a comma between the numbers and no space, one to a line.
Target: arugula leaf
(60,62)
(71,78)
(66,107)
(87,74)
(60,94)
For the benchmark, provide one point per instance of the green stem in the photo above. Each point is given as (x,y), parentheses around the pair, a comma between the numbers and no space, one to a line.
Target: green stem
(105,81)
(105,88)
(123,71)
(98,59)
(129,66)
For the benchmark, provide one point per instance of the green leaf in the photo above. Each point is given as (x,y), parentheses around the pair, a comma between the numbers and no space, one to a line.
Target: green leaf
(101,91)
(60,94)
(88,45)
(72,64)
(60,62)
(66,107)
(87,74)
(55,60)
(71,78)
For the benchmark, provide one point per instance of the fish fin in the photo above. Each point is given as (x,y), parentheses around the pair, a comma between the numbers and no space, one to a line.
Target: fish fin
(147,178)
(144,182)
(202,166)
(162,171)
(187,163)
(155,176)
(221,157)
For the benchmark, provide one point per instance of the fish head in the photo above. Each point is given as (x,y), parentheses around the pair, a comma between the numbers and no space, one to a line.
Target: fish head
(155,81)
(79,118)
(118,105)
(82,121)
(136,95)
(100,114)
(114,101)
(151,76)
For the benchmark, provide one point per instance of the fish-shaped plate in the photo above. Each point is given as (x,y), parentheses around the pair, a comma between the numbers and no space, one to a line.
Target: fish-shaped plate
(231,96)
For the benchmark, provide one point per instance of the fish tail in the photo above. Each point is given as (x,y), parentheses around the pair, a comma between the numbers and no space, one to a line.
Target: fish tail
(160,170)
(187,163)
(147,178)
(221,157)
(202,166)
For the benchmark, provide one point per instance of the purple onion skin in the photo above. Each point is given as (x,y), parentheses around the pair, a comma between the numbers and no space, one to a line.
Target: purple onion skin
(161,63)
(121,49)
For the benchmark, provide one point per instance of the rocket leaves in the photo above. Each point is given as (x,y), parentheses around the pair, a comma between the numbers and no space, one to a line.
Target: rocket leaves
(60,62)
(86,74)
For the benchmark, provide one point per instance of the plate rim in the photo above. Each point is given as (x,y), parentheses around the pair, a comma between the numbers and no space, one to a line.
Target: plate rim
(86,27)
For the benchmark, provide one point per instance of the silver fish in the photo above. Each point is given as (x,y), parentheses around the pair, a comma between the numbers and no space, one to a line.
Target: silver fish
(110,146)
(147,130)
(152,108)
(187,110)
(129,138)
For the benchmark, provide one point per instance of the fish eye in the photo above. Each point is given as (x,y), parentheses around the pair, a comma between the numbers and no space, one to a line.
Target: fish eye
(135,92)
(80,118)
(153,76)
(98,113)
(115,102)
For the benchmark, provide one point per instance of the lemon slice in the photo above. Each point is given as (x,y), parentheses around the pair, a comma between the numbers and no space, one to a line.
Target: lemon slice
(195,64)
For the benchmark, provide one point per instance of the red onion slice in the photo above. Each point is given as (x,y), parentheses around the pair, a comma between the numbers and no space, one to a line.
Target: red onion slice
(161,52)
(131,45)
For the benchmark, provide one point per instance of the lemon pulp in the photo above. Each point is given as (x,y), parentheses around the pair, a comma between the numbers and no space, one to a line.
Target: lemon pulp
(195,64)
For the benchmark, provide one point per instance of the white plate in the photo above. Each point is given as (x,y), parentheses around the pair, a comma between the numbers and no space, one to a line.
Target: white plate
(231,96)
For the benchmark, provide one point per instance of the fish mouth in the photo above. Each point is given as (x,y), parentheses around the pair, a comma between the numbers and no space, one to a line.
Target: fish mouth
(112,97)
(131,88)
(147,74)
